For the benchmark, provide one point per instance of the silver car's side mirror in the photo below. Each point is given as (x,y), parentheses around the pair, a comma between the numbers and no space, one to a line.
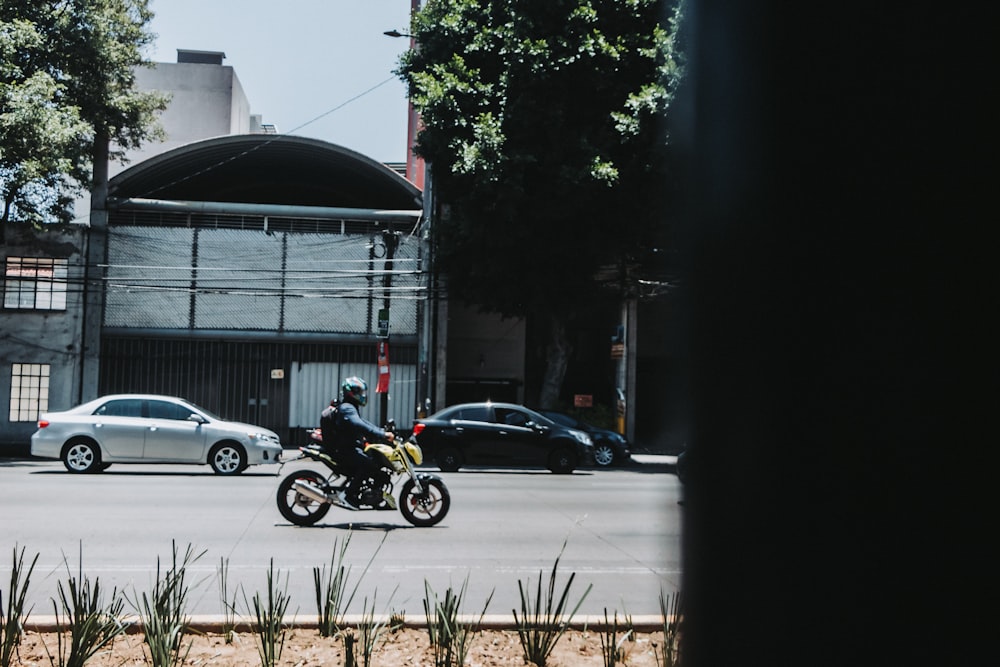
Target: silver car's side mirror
(198,419)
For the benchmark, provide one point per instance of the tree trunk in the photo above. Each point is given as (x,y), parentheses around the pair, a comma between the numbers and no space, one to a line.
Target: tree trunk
(557,353)
(99,188)
(5,219)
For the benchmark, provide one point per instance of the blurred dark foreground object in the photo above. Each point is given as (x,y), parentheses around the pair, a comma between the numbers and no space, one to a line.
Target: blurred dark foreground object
(837,316)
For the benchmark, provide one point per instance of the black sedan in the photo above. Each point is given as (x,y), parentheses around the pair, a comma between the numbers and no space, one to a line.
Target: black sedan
(609,447)
(500,434)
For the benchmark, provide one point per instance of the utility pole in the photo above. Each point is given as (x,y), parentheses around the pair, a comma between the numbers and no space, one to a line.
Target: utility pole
(391,239)
(93,286)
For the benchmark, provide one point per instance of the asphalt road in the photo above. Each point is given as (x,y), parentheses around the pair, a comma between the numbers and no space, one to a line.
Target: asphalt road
(621,528)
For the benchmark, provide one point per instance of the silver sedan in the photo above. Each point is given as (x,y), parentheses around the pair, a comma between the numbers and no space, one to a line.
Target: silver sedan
(147,428)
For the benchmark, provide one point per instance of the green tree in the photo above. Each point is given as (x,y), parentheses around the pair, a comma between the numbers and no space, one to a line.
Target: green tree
(543,123)
(68,101)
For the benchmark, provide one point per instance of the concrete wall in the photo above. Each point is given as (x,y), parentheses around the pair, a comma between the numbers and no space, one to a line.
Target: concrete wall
(206,101)
(42,337)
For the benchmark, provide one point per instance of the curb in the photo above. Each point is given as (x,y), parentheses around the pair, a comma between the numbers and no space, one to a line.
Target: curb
(215,624)
(654,459)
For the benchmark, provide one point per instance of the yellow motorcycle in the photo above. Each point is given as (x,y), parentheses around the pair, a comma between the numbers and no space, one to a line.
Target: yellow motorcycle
(305,496)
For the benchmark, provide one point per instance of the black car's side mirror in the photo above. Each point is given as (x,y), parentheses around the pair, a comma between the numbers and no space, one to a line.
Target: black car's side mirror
(535,426)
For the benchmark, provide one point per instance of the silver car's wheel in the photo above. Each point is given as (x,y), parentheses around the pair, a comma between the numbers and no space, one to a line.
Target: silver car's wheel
(604,454)
(227,459)
(82,456)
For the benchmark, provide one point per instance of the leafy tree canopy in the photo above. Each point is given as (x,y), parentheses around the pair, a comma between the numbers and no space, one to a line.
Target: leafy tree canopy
(543,122)
(67,87)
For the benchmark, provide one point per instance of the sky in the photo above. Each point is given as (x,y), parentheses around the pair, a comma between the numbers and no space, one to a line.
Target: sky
(312,68)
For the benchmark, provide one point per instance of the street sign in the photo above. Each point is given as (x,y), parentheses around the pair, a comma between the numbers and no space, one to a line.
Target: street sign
(383,323)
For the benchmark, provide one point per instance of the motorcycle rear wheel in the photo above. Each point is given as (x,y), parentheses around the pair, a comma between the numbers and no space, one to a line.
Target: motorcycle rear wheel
(297,508)
(427,508)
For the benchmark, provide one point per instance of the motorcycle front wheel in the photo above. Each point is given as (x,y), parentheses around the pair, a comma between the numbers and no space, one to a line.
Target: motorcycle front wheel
(297,508)
(428,507)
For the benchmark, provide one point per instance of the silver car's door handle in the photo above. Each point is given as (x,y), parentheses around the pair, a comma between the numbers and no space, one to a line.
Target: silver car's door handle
(152,428)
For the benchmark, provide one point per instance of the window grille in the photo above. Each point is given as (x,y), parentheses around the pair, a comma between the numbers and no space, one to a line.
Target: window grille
(29,391)
(35,283)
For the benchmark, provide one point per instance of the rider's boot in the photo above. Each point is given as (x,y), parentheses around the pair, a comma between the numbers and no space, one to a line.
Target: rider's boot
(344,501)
(388,502)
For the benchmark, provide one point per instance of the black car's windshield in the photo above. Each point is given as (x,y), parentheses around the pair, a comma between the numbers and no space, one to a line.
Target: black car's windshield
(532,416)
(512,417)
(559,418)
(500,414)
(471,413)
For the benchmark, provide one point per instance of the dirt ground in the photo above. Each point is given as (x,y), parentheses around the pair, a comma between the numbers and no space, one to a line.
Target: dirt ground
(406,647)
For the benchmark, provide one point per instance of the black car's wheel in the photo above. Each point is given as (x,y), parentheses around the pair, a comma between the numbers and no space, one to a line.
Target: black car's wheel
(604,454)
(562,461)
(428,507)
(297,508)
(449,459)
(81,456)
(227,459)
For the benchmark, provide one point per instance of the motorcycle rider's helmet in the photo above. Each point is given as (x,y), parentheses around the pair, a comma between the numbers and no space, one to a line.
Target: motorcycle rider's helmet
(356,389)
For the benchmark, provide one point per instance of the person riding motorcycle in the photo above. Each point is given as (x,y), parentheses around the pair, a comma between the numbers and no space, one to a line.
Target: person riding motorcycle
(348,440)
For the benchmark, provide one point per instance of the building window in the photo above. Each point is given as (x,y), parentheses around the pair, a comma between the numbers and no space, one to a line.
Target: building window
(29,391)
(35,283)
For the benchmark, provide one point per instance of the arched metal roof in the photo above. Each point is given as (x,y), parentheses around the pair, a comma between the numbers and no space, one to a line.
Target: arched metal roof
(267,169)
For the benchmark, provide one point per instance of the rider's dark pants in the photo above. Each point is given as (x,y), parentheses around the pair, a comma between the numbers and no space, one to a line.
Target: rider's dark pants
(360,466)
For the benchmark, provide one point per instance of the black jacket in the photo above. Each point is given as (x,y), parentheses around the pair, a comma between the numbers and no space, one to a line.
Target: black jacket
(351,430)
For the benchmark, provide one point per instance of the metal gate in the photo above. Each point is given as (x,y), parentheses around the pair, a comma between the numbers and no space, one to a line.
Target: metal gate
(280,386)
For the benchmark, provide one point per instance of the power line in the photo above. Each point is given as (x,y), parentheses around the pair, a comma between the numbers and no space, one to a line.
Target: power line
(277,137)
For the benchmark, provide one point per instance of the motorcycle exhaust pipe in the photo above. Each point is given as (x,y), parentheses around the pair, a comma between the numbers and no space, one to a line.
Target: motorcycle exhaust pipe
(309,491)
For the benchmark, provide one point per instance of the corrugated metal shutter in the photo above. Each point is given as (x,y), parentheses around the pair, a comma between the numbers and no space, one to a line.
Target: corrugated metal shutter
(312,385)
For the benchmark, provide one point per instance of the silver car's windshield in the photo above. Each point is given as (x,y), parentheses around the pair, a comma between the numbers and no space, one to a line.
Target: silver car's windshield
(203,411)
